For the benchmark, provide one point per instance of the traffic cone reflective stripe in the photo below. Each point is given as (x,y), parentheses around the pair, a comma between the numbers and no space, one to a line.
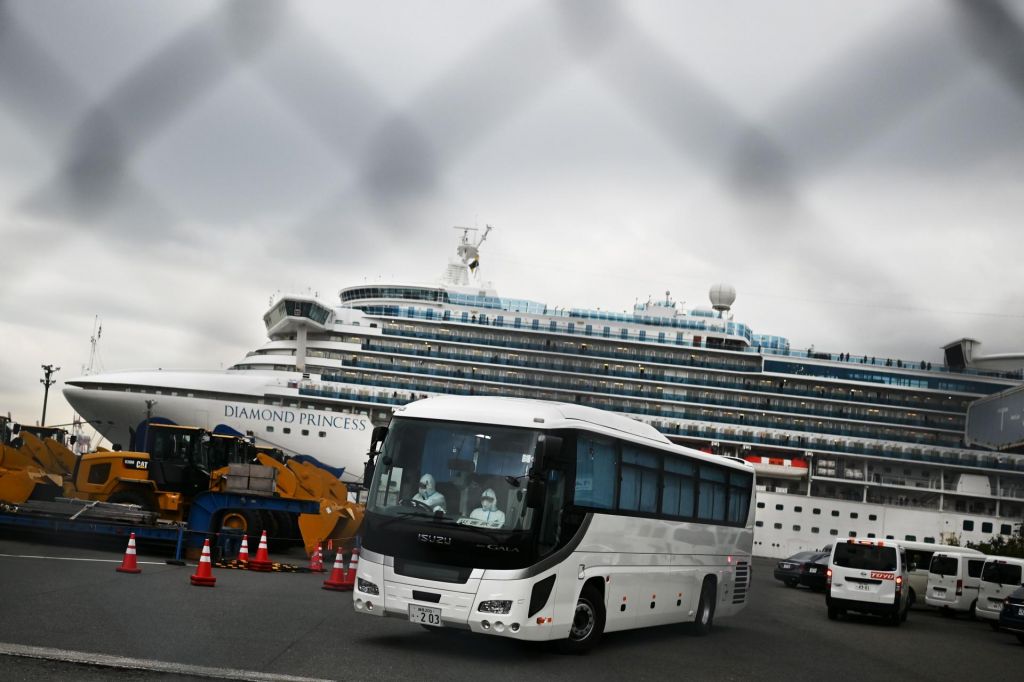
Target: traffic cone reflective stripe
(336,581)
(243,551)
(204,571)
(262,560)
(316,562)
(353,567)
(129,563)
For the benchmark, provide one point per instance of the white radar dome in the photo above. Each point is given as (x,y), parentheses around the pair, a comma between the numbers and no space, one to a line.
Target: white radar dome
(722,296)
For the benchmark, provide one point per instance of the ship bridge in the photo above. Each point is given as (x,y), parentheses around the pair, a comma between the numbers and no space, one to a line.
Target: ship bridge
(297,315)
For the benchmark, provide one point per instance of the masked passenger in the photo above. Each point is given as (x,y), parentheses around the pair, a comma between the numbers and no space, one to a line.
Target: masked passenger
(488,511)
(428,494)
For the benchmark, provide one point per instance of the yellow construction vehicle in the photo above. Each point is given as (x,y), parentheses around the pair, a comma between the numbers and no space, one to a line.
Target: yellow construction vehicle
(175,464)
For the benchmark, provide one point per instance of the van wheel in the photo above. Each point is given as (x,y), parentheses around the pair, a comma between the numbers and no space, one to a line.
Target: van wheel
(833,612)
(895,619)
(705,608)
(587,623)
(973,614)
(903,615)
(911,598)
(994,624)
(1020,638)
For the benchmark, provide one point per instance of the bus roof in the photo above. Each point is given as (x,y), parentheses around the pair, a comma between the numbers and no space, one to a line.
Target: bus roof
(544,414)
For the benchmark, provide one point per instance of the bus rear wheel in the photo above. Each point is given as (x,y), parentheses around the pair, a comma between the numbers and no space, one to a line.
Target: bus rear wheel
(587,623)
(705,609)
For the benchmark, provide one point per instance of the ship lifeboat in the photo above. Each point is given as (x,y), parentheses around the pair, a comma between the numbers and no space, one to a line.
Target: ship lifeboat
(778,467)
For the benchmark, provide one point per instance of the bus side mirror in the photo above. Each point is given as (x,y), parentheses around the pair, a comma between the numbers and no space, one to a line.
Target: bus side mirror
(547,452)
(377,437)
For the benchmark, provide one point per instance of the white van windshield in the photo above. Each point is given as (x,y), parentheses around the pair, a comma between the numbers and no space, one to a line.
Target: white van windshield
(865,557)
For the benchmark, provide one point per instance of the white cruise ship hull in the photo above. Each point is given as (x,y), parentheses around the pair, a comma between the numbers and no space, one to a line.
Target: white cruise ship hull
(257,404)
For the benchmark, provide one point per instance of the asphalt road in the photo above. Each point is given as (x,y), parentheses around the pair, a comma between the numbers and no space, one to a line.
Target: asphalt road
(283,624)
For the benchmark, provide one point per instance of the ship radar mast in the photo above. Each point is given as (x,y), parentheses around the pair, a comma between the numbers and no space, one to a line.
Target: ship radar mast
(465,270)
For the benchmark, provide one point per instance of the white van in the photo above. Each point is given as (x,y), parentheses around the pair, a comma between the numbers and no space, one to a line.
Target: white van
(919,558)
(999,577)
(953,582)
(868,576)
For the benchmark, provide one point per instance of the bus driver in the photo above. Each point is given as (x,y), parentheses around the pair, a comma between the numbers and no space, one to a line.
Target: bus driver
(428,495)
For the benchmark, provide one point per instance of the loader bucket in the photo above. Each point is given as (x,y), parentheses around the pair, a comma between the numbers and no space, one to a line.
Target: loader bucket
(21,485)
(337,522)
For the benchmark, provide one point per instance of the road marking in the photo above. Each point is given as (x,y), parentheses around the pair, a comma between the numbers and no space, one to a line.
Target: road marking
(71,558)
(125,663)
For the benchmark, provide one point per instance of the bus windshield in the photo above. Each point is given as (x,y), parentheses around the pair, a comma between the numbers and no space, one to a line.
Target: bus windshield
(472,475)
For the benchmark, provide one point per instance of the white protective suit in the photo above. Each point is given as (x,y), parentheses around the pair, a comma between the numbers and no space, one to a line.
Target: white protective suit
(428,494)
(488,511)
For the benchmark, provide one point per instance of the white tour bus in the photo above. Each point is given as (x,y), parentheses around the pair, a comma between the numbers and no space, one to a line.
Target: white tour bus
(999,578)
(548,521)
(953,582)
(919,559)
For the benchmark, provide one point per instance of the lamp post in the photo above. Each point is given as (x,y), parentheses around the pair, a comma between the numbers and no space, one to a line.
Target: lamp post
(46,381)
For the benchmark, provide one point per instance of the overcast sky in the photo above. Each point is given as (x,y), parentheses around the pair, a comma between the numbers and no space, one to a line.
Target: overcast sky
(852,168)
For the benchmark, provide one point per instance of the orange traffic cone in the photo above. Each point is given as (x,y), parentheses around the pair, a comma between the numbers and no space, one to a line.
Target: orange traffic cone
(129,564)
(243,551)
(353,566)
(316,562)
(262,560)
(204,571)
(336,581)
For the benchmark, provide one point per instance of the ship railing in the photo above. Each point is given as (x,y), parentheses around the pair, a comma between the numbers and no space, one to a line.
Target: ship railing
(648,392)
(408,380)
(632,356)
(491,321)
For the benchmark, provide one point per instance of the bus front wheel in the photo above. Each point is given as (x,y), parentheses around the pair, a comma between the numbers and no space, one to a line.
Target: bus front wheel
(705,609)
(587,623)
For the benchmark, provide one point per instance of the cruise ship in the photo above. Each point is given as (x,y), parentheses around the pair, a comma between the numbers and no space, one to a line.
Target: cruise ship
(844,445)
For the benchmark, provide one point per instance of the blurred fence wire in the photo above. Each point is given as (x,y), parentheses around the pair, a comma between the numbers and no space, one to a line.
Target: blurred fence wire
(402,152)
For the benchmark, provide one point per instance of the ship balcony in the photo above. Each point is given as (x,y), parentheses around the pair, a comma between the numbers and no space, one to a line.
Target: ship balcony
(601,382)
(749,381)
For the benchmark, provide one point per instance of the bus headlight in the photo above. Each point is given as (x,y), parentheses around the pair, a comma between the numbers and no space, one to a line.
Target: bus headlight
(495,606)
(367,587)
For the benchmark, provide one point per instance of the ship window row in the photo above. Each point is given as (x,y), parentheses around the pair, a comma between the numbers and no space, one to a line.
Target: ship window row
(381,391)
(423,380)
(577,367)
(668,357)
(645,407)
(287,430)
(817,511)
(877,376)
(986,527)
(561,327)
(856,367)
(835,532)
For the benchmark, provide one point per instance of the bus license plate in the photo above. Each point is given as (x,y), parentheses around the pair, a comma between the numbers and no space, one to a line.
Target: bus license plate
(425,615)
